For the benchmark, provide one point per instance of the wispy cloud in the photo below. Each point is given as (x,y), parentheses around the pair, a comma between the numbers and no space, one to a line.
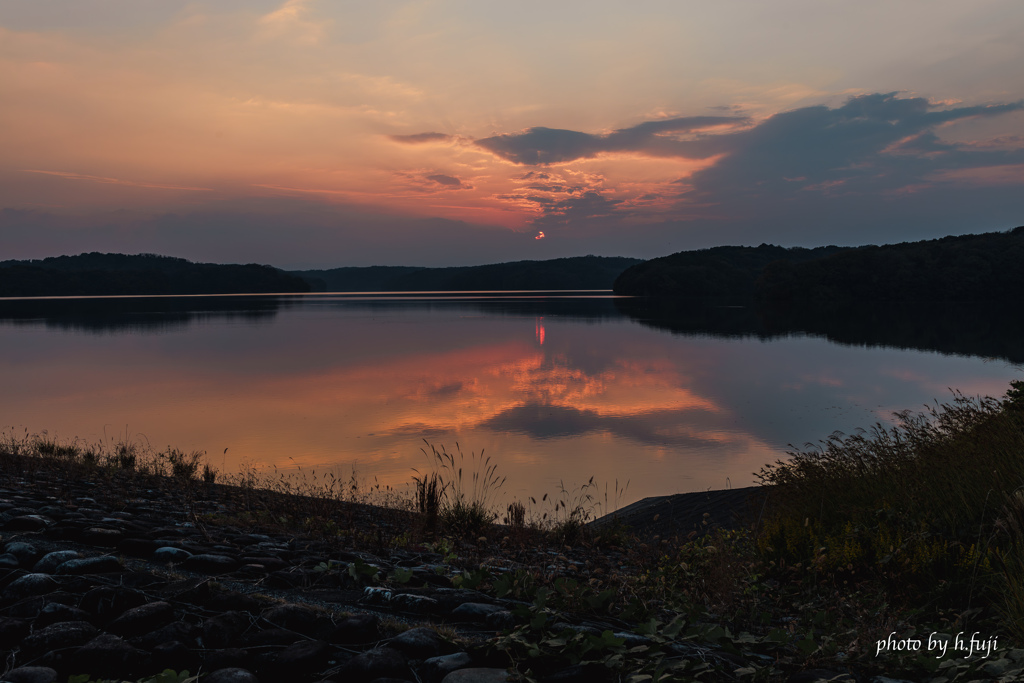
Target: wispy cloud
(445,180)
(431,182)
(290,20)
(421,138)
(116,181)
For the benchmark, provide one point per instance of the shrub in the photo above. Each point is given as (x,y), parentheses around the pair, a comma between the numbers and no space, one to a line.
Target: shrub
(916,503)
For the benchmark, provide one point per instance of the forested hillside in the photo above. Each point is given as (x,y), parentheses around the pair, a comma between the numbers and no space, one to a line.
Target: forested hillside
(985,267)
(96,274)
(581,272)
(982,267)
(720,273)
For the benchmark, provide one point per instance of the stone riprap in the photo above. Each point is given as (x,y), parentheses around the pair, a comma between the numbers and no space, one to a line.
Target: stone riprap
(120,575)
(128,589)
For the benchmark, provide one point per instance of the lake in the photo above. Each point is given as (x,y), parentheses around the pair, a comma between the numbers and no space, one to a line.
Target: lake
(556,387)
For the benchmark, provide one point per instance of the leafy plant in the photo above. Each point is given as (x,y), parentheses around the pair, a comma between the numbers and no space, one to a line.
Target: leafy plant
(363,573)
(402,575)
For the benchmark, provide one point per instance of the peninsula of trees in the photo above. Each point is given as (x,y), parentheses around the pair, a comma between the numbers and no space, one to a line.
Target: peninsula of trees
(96,274)
(981,267)
(580,272)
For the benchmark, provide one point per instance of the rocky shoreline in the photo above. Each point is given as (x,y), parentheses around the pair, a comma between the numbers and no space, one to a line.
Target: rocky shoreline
(123,576)
(130,589)
(118,575)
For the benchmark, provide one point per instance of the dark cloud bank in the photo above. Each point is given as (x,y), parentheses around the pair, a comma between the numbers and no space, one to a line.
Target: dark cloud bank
(867,135)
(540,146)
(800,174)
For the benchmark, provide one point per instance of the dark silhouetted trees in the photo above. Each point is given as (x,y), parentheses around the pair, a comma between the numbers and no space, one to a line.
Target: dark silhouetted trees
(580,272)
(985,267)
(96,274)
(725,274)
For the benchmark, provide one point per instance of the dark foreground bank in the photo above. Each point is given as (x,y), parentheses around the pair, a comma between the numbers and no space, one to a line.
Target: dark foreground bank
(96,274)
(110,572)
(121,576)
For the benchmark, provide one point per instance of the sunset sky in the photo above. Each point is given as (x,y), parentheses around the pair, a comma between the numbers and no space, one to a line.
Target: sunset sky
(316,133)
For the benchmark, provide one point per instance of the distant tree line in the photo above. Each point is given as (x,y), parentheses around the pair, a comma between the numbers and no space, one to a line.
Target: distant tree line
(716,274)
(984,267)
(96,274)
(580,272)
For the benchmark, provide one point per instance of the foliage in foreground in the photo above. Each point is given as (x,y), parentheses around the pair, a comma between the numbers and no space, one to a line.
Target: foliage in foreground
(932,505)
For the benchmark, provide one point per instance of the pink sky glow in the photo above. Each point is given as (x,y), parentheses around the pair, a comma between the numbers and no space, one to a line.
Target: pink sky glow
(306,133)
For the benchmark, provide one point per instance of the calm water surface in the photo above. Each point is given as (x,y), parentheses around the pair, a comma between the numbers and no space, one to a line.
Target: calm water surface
(555,387)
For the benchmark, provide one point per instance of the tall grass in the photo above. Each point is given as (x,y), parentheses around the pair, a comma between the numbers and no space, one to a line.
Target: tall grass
(920,501)
(122,453)
(573,509)
(462,495)
(1010,526)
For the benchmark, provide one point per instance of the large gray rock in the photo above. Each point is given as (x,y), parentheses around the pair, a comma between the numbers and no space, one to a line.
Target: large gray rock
(177,631)
(62,634)
(300,618)
(301,658)
(436,668)
(210,563)
(12,630)
(231,675)
(49,562)
(54,612)
(142,619)
(26,553)
(223,629)
(168,554)
(108,655)
(103,564)
(419,643)
(30,674)
(380,662)
(27,523)
(475,611)
(100,536)
(109,602)
(356,629)
(30,584)
(501,620)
